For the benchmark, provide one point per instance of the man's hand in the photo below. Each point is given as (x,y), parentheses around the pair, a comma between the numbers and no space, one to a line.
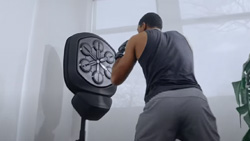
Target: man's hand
(121,50)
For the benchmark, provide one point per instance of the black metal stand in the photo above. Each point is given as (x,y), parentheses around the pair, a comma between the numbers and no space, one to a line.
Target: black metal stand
(82,131)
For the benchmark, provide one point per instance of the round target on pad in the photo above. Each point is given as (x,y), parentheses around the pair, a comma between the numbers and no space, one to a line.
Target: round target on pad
(95,60)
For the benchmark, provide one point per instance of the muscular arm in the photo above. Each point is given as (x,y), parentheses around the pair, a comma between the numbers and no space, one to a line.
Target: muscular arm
(124,65)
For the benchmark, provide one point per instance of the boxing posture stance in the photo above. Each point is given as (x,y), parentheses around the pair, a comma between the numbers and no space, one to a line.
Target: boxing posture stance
(176,107)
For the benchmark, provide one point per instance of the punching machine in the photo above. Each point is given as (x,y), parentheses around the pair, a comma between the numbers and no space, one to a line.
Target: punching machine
(87,66)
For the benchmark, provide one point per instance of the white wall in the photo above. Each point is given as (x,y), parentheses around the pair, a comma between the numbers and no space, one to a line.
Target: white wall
(16,21)
(34,101)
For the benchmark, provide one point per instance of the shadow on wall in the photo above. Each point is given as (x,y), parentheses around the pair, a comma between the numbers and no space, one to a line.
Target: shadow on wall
(50,97)
(76,125)
(1,94)
(4,130)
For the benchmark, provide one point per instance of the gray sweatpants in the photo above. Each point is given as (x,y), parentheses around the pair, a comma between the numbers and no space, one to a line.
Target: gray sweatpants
(179,114)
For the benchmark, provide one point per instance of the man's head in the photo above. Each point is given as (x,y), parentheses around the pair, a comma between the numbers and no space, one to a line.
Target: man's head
(149,20)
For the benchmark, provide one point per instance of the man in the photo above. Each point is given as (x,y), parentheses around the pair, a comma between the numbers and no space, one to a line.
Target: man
(175,105)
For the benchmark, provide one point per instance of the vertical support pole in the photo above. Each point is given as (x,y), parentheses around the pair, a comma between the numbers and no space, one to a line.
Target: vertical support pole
(82,130)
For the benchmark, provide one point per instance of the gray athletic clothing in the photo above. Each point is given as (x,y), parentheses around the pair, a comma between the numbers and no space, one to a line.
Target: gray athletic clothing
(182,114)
(175,105)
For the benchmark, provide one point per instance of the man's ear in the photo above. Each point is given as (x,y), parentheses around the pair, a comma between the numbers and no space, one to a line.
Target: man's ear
(144,26)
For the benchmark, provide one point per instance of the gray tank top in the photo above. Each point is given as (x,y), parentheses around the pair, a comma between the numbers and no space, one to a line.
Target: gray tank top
(167,63)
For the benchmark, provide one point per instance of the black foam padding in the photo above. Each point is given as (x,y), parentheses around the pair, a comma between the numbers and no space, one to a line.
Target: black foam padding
(88,60)
(87,64)
(91,106)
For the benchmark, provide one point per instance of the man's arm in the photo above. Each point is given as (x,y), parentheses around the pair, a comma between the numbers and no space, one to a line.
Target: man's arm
(125,64)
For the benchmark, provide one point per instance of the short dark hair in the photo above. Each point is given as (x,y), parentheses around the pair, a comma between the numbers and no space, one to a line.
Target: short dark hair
(152,20)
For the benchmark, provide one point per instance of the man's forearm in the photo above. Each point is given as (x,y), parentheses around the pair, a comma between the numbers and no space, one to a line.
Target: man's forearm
(114,72)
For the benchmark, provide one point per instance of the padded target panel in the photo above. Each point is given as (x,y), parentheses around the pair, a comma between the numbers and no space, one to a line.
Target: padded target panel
(87,65)
(95,60)
(88,61)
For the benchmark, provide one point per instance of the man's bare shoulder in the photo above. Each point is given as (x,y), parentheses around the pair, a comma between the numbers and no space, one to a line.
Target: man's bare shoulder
(139,41)
(139,37)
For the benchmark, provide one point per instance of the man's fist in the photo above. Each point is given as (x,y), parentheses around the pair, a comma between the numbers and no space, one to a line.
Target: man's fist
(121,50)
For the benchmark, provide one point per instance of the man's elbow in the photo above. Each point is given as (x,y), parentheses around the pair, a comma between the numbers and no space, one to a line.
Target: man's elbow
(115,80)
